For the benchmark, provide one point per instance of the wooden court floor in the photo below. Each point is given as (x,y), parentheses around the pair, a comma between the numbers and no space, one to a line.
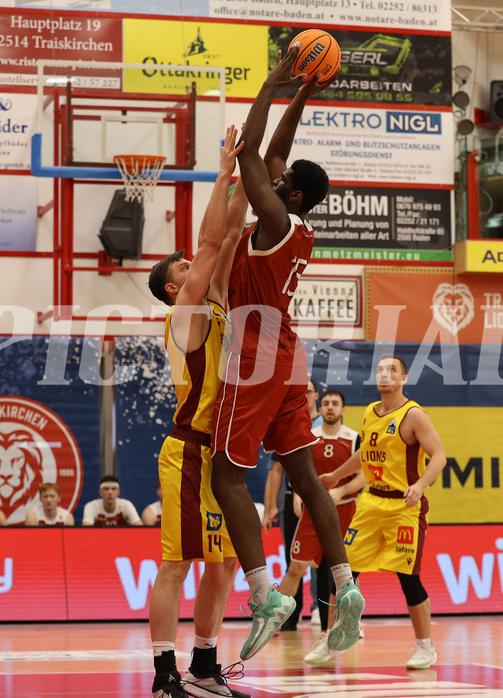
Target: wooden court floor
(113,660)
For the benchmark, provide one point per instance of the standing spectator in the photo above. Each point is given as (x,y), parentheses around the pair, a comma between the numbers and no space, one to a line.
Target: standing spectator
(152,514)
(110,510)
(49,513)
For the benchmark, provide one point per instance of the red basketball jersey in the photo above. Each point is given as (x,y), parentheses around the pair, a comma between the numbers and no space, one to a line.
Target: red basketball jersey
(332,451)
(261,286)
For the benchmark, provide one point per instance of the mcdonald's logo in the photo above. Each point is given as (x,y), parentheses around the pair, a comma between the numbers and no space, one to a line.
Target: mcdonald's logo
(405,535)
(376,470)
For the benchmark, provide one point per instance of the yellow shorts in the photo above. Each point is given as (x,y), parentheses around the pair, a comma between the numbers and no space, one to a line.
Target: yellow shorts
(192,526)
(385,535)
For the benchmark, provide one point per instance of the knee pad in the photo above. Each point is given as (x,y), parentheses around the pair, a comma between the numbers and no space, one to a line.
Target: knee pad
(414,591)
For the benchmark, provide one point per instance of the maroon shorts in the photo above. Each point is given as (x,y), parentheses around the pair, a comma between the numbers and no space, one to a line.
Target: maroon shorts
(305,544)
(271,408)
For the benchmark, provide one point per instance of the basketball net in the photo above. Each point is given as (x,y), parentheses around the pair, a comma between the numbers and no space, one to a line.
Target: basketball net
(140,174)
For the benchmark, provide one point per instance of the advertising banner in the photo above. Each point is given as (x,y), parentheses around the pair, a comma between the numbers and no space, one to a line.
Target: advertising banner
(32,575)
(108,574)
(401,69)
(434,17)
(18,114)
(469,488)
(40,448)
(358,13)
(327,300)
(18,213)
(49,422)
(155,42)
(363,217)
(433,306)
(377,145)
(479,255)
(30,36)
(407,148)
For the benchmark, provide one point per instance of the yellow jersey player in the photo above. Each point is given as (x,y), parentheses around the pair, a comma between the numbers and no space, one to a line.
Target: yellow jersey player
(389,527)
(192,526)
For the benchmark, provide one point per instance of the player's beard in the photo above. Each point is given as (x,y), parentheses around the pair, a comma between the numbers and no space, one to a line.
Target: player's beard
(331,419)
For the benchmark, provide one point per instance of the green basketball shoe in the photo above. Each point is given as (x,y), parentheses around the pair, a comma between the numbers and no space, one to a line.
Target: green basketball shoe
(267,618)
(349,605)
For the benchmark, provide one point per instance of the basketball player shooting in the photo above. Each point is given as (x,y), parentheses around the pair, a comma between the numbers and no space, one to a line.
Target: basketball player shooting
(263,396)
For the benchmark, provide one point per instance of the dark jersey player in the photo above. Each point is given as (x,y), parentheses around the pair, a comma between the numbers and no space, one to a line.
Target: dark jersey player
(263,394)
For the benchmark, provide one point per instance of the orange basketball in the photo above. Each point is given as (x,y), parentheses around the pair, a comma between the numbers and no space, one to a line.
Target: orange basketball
(319,52)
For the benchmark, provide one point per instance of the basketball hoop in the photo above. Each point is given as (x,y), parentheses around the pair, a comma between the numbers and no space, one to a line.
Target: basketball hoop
(140,174)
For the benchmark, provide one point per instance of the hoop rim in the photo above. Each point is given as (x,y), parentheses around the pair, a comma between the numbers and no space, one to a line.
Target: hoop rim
(130,159)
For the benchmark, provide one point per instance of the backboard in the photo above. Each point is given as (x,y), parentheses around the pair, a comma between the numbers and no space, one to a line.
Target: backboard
(88,112)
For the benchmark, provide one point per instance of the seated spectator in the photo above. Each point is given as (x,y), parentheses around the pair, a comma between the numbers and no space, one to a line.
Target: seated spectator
(110,510)
(49,513)
(151,515)
(3,519)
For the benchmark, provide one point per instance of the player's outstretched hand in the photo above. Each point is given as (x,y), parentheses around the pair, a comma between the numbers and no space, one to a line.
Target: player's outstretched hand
(281,74)
(311,88)
(229,151)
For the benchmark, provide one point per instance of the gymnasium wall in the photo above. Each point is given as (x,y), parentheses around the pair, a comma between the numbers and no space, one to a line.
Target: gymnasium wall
(362,293)
(52,393)
(394,89)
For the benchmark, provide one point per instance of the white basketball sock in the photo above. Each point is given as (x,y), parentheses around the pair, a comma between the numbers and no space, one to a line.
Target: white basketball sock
(159,647)
(259,582)
(341,575)
(205,643)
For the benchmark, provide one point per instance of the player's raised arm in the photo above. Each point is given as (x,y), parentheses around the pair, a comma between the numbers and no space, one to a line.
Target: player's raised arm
(234,225)
(213,228)
(280,144)
(271,211)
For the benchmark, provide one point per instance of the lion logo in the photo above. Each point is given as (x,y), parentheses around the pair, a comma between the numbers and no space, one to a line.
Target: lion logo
(453,306)
(36,446)
(20,470)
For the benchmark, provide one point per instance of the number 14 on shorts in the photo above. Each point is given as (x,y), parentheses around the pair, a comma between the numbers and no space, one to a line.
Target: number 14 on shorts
(214,541)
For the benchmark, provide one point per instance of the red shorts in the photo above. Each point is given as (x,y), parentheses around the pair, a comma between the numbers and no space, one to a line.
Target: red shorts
(273,410)
(305,544)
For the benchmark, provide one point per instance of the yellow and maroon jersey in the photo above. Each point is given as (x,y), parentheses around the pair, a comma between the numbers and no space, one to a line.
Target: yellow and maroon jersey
(262,284)
(197,374)
(387,461)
